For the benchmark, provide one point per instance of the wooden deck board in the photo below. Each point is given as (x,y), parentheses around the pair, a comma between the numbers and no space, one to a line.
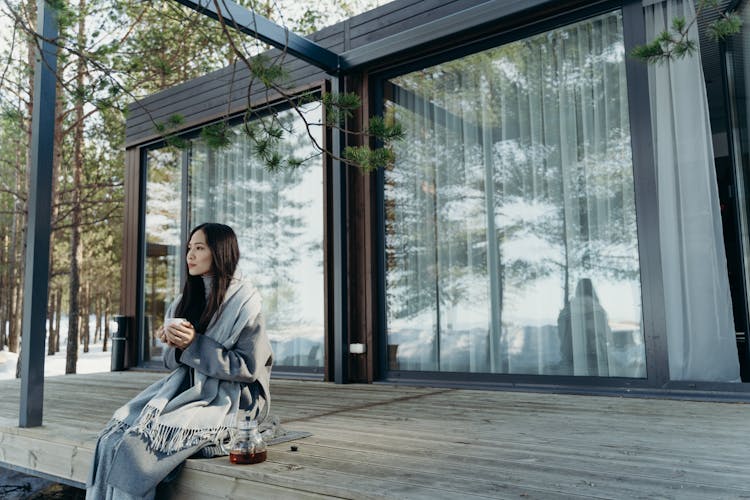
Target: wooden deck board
(385,441)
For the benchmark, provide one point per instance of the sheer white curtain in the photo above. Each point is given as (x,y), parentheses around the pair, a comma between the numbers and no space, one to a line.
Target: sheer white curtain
(698,306)
(510,202)
(164,258)
(278,218)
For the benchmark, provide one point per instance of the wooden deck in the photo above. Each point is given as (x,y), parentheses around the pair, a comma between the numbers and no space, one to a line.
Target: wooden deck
(382,441)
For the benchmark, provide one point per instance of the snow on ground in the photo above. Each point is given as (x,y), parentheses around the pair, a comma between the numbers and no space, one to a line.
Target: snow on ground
(88,362)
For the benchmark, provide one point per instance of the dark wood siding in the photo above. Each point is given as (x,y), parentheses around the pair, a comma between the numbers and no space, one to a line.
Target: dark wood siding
(358,249)
(129,276)
(400,16)
(208,98)
(205,101)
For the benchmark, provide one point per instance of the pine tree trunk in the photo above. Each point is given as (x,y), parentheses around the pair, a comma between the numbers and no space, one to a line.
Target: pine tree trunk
(11,288)
(3,286)
(16,269)
(54,322)
(14,335)
(18,245)
(99,319)
(54,312)
(85,331)
(12,284)
(58,319)
(76,247)
(18,363)
(86,316)
(106,321)
(71,356)
(50,322)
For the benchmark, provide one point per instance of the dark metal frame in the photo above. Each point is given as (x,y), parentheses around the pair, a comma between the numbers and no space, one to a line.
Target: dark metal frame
(257,26)
(136,337)
(646,200)
(735,153)
(143,355)
(338,246)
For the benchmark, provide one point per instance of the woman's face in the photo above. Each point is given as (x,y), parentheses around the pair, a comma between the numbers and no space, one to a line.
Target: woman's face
(199,259)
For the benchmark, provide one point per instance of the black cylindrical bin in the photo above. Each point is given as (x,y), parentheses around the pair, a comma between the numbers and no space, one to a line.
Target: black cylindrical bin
(119,344)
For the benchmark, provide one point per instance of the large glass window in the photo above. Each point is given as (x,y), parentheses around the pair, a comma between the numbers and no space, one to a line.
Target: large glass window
(277,216)
(163,261)
(511,242)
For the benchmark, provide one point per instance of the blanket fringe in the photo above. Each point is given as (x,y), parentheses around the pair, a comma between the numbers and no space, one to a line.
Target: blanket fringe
(169,439)
(113,425)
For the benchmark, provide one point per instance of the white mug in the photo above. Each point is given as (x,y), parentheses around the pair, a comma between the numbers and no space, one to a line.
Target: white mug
(173,321)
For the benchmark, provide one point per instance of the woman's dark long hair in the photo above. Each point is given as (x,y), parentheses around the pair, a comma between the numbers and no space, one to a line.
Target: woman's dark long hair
(225,254)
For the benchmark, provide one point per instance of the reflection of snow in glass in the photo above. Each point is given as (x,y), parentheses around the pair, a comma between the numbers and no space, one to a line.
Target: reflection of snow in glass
(514,183)
(297,346)
(278,218)
(163,197)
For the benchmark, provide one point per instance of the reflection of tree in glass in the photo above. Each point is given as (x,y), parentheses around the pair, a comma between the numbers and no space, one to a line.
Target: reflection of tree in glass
(421,225)
(163,196)
(543,124)
(163,219)
(573,91)
(268,211)
(589,221)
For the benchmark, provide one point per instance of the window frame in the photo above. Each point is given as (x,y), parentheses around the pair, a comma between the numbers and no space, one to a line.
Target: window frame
(142,357)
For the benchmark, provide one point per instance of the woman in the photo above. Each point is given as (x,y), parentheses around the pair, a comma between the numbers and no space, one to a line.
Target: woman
(583,330)
(221,360)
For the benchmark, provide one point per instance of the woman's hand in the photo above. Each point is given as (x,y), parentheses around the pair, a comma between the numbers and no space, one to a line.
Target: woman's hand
(161,334)
(180,335)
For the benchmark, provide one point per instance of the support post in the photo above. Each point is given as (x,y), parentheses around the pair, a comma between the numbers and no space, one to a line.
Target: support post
(341,335)
(36,276)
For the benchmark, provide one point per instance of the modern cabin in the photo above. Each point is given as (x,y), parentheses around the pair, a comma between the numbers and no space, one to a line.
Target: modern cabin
(560,216)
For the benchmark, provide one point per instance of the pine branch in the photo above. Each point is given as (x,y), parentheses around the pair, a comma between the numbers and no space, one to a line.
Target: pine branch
(271,74)
(675,42)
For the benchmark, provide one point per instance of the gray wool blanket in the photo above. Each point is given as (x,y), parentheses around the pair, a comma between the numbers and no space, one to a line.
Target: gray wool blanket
(193,409)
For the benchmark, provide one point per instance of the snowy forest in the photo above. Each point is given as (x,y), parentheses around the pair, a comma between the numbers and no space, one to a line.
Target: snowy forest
(111,53)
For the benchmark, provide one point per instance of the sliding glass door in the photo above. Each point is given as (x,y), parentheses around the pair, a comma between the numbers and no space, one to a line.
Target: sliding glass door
(511,243)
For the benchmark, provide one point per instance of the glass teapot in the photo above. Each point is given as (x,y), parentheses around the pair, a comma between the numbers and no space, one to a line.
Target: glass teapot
(248,446)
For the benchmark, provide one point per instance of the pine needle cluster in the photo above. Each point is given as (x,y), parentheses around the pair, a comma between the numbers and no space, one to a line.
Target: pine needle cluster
(675,42)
